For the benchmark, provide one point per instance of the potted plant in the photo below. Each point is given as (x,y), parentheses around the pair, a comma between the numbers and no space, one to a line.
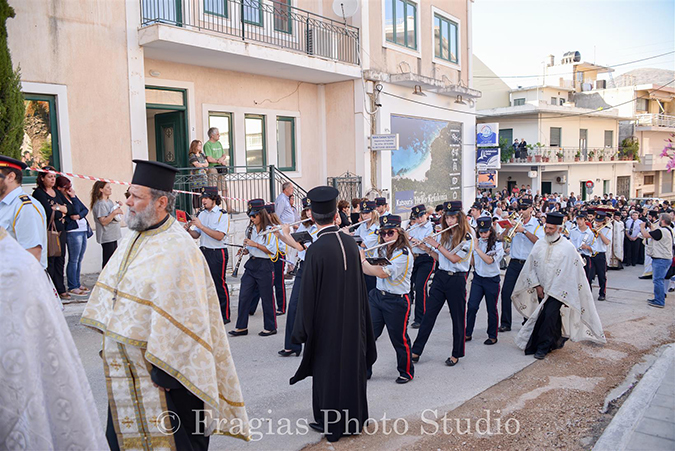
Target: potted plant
(577,156)
(591,155)
(560,156)
(506,151)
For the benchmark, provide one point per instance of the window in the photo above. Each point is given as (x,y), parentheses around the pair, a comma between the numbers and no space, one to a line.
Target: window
(401,23)
(282,16)
(609,138)
(216,7)
(649,180)
(286,143)
(517,102)
(223,122)
(254,126)
(253,12)
(445,39)
(562,101)
(555,136)
(605,187)
(642,105)
(554,100)
(666,182)
(40,145)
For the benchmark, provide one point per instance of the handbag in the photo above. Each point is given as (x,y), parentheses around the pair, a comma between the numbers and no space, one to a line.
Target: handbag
(53,239)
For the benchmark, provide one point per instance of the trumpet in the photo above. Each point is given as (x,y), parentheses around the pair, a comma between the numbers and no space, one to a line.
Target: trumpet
(597,231)
(512,231)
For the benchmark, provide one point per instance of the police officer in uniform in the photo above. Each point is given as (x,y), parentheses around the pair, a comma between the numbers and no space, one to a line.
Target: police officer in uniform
(20,214)
(390,301)
(211,226)
(526,235)
(424,265)
(601,239)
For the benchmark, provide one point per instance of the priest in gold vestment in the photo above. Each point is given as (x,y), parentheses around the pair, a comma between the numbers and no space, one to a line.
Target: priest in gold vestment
(169,371)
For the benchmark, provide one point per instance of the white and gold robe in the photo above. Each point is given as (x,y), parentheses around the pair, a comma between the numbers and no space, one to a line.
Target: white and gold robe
(559,269)
(45,398)
(615,250)
(156,304)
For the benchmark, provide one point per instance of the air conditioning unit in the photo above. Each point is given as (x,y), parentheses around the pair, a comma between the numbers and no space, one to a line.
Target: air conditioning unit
(322,42)
(561,180)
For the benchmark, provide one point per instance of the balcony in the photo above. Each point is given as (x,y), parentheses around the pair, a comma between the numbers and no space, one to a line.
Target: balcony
(567,155)
(655,122)
(250,36)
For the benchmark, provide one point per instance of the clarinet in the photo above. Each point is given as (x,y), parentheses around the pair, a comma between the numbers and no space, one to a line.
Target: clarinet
(249,231)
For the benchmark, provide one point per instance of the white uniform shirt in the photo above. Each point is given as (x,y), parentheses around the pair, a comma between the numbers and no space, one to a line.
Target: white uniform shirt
(521,246)
(312,230)
(577,237)
(483,269)
(218,220)
(268,240)
(399,272)
(419,233)
(598,245)
(464,253)
(368,235)
(26,223)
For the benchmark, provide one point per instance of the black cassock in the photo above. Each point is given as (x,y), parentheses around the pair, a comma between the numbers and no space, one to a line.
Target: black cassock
(333,321)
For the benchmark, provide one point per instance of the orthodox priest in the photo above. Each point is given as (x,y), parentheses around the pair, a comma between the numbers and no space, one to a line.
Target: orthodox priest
(45,398)
(558,307)
(170,375)
(615,251)
(333,320)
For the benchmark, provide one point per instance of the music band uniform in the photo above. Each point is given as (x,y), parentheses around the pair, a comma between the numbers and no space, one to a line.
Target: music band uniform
(423,268)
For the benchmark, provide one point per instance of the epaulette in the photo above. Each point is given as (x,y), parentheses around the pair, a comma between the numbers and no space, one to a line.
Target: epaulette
(468,236)
(404,251)
(25,199)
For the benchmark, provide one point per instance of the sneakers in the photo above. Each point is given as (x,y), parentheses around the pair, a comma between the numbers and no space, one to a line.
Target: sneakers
(652,303)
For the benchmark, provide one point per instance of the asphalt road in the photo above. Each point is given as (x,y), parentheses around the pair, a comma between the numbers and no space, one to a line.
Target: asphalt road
(273,404)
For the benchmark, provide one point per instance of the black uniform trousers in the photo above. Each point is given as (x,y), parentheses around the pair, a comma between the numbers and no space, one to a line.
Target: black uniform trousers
(279,287)
(393,311)
(371,282)
(56,265)
(510,278)
(487,287)
(293,309)
(587,267)
(451,289)
(599,268)
(217,261)
(258,273)
(631,251)
(422,270)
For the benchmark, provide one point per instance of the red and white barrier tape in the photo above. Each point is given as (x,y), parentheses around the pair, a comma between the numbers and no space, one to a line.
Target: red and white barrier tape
(117,182)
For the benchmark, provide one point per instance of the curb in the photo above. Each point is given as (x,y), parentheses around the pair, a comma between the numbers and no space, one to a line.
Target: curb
(619,432)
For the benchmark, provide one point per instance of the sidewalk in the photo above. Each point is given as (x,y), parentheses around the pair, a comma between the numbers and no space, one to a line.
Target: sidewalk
(646,420)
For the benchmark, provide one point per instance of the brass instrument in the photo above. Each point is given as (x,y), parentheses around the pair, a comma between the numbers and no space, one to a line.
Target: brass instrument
(512,231)
(597,231)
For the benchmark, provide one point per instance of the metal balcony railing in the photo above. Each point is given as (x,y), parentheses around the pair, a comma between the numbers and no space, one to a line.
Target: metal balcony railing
(548,154)
(271,22)
(655,120)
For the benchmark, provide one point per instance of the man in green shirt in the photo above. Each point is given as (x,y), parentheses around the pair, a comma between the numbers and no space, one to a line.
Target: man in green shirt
(216,156)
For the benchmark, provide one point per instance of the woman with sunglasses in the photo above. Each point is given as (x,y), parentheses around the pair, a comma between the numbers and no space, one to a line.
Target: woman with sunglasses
(57,209)
(258,271)
(368,233)
(390,302)
(487,254)
(424,265)
(453,254)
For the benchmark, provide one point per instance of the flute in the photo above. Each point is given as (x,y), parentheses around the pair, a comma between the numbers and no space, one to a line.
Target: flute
(277,228)
(430,236)
(358,223)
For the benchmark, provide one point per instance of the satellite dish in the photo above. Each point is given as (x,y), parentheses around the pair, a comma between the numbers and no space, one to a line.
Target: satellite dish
(345,8)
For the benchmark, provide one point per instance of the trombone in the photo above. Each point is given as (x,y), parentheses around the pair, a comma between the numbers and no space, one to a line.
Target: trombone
(512,231)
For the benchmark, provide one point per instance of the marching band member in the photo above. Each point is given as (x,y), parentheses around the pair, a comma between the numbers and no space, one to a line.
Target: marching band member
(602,238)
(259,271)
(487,254)
(526,235)
(368,233)
(582,237)
(453,253)
(424,265)
(390,301)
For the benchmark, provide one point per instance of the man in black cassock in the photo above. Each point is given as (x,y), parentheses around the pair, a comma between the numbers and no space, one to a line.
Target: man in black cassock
(333,320)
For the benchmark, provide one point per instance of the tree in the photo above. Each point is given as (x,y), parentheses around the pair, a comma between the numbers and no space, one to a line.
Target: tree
(11,99)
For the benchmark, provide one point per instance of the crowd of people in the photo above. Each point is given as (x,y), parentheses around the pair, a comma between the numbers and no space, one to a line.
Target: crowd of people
(358,269)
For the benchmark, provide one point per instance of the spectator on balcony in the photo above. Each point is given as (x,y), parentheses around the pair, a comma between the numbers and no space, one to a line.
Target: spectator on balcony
(523,148)
(216,156)
(516,148)
(198,176)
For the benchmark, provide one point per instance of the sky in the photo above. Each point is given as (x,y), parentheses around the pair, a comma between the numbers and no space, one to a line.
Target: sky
(513,37)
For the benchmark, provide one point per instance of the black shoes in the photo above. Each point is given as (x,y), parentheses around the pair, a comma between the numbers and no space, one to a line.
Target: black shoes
(504,329)
(227,321)
(539,355)
(467,338)
(237,333)
(415,358)
(601,298)
(265,333)
(490,341)
(645,277)
(285,353)
(402,380)
(317,427)
(280,312)
(415,325)
(451,362)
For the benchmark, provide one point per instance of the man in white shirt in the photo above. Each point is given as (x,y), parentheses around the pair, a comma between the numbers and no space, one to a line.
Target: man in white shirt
(631,245)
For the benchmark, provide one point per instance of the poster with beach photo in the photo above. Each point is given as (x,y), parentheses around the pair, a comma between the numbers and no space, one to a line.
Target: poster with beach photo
(428,160)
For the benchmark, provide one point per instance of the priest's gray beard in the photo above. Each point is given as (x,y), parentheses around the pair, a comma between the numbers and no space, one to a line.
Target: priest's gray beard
(142,220)
(549,238)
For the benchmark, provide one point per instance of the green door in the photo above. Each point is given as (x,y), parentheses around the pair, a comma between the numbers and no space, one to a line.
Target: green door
(172,147)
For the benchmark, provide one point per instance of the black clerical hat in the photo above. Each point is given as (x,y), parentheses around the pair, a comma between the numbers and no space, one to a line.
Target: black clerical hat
(417,211)
(554,218)
(323,199)
(390,222)
(306,203)
(154,174)
(7,162)
(379,201)
(484,223)
(209,191)
(255,206)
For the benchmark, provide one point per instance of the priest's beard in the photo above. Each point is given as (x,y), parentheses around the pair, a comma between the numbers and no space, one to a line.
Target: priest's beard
(142,220)
(552,238)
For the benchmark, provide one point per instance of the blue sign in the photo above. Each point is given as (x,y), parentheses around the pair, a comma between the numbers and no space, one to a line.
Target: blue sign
(403,201)
(487,135)
(487,158)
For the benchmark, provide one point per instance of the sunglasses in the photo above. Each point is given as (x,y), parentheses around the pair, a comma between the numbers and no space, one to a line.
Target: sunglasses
(387,232)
